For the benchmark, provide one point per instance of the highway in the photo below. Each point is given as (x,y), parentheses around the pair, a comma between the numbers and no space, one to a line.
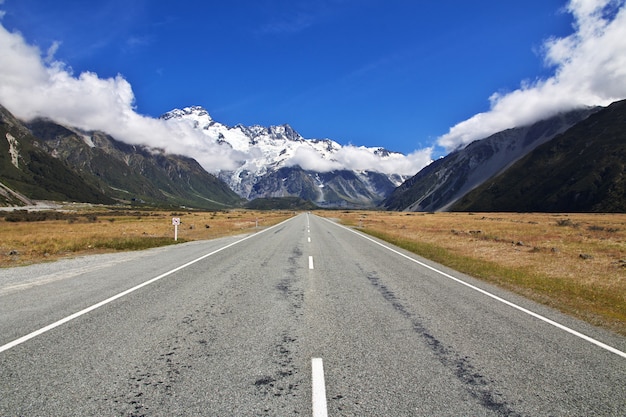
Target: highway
(306,318)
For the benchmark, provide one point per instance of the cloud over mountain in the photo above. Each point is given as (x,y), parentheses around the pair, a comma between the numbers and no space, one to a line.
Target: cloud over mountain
(34,84)
(589,69)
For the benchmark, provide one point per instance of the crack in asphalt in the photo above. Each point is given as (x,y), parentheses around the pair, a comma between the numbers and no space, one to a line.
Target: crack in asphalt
(285,380)
(474,382)
(150,383)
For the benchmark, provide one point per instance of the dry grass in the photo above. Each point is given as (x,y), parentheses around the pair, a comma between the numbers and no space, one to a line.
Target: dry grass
(573,262)
(89,231)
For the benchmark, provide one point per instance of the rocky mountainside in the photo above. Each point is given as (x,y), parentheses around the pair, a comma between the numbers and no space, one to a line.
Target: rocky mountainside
(43,160)
(580,170)
(131,172)
(439,185)
(267,168)
(28,172)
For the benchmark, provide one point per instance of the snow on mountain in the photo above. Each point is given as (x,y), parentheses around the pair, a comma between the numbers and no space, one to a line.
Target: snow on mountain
(266,150)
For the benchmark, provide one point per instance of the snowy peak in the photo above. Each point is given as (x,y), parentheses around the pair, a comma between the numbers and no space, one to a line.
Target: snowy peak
(267,153)
(282,132)
(194,112)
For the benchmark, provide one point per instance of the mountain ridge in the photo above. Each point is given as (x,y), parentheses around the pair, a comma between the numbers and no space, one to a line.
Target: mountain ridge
(133,173)
(28,172)
(580,170)
(43,160)
(438,186)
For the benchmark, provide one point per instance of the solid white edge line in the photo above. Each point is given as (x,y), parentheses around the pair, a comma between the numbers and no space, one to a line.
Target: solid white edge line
(495,297)
(124,293)
(310,262)
(318,394)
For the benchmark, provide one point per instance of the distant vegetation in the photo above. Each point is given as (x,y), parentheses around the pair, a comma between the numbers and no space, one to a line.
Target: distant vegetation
(281,203)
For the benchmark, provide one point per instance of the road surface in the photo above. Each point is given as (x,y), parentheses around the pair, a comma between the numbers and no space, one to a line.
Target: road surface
(306,318)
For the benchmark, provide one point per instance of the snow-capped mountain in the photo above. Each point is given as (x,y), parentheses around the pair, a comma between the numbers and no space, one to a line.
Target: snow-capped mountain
(277,161)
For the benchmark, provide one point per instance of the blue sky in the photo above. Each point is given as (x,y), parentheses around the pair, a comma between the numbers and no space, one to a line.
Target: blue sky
(394,73)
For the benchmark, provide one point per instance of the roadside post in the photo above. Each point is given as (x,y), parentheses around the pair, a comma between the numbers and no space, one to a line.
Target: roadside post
(175,222)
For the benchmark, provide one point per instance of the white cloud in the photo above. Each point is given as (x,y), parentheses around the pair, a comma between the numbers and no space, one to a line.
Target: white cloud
(590,69)
(33,85)
(309,159)
(362,159)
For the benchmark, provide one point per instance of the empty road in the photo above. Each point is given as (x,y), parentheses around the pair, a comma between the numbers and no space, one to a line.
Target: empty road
(306,318)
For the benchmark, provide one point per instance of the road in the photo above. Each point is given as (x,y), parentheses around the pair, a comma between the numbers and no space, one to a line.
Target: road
(304,318)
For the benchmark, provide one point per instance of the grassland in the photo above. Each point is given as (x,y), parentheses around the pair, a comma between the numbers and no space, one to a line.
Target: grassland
(573,262)
(29,237)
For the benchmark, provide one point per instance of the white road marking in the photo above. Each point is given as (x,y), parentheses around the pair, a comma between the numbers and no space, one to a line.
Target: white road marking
(495,297)
(309,240)
(310,262)
(124,293)
(319,388)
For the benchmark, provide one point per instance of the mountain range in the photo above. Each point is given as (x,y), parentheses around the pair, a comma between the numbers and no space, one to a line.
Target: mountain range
(43,160)
(28,172)
(442,183)
(114,171)
(268,169)
(580,170)
(573,161)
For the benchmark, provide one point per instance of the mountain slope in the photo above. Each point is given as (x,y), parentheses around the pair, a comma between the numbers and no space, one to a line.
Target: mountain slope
(134,173)
(581,170)
(274,164)
(443,182)
(28,172)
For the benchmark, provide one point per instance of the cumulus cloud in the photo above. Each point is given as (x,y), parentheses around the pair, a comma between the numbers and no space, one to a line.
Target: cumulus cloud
(362,159)
(309,159)
(36,85)
(590,69)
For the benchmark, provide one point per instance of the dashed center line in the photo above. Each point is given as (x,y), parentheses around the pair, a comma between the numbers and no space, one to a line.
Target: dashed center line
(319,388)
(310,262)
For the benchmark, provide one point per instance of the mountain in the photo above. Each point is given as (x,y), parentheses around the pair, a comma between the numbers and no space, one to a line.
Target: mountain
(28,172)
(131,173)
(267,167)
(580,170)
(280,203)
(439,185)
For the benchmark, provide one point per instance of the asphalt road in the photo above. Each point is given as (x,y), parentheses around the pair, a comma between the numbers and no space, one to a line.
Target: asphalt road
(249,325)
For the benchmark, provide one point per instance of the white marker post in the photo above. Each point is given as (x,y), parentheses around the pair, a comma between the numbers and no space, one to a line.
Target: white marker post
(175,222)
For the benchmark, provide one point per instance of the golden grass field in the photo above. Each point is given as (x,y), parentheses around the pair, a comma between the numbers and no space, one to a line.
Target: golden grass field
(98,230)
(573,262)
